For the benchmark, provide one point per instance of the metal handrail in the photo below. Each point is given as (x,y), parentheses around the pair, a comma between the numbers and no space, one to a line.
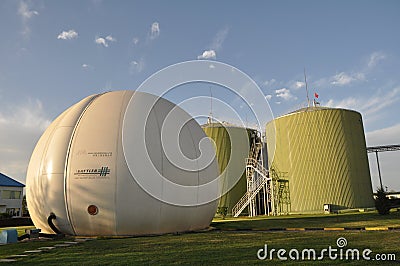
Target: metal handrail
(247,197)
(242,203)
(255,186)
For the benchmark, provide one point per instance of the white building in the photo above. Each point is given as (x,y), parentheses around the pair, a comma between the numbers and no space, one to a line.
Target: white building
(10,196)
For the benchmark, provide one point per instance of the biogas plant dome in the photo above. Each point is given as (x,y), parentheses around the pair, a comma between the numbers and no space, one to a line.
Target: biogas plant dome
(122,163)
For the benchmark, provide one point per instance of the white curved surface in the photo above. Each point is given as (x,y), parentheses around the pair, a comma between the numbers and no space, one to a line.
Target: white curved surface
(80,161)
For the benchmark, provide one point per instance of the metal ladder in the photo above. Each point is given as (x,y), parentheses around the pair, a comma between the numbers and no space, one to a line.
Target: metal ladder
(248,197)
(254,184)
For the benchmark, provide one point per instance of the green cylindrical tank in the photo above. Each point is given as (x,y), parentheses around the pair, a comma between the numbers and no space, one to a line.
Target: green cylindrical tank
(322,153)
(232,145)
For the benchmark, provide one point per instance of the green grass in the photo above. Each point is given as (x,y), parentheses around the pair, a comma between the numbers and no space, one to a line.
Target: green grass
(211,248)
(222,247)
(371,219)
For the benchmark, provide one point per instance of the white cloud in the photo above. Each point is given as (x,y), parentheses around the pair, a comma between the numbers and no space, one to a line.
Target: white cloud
(26,14)
(342,78)
(110,38)
(269,83)
(209,54)
(346,78)
(87,67)
(136,66)
(215,46)
(384,136)
(155,30)
(268,97)
(292,84)
(369,106)
(102,41)
(105,41)
(374,58)
(67,35)
(299,84)
(135,40)
(348,103)
(379,102)
(388,161)
(28,115)
(219,39)
(285,94)
(21,126)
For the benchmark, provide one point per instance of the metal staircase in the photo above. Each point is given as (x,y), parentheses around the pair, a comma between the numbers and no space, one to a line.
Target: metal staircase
(281,199)
(283,196)
(248,196)
(257,178)
(253,165)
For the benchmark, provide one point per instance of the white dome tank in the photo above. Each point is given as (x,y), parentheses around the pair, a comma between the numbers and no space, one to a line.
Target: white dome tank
(122,163)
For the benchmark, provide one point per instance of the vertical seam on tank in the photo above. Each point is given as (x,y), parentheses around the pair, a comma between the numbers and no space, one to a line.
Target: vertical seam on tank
(162,155)
(115,166)
(119,139)
(46,148)
(67,159)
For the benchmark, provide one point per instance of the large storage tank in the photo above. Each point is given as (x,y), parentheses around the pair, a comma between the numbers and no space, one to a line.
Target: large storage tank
(102,168)
(322,152)
(232,145)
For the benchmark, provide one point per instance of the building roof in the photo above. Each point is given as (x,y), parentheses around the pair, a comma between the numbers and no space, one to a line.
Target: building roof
(313,109)
(6,181)
(225,124)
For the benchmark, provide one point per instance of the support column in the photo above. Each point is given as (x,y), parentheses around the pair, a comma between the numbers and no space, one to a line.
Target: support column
(379,170)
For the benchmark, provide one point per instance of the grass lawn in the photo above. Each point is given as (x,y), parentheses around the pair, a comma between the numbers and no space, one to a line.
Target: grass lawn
(224,247)
(370,219)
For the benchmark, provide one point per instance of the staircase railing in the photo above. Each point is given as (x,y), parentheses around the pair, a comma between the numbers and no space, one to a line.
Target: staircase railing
(255,186)
(248,196)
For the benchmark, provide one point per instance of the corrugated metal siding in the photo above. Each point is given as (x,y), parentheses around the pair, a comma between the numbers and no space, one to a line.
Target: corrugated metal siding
(222,141)
(324,154)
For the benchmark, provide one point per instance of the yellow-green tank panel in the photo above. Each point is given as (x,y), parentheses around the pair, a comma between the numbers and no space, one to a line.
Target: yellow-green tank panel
(223,136)
(322,152)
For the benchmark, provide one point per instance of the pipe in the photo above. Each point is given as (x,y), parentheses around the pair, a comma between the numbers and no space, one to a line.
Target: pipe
(50,219)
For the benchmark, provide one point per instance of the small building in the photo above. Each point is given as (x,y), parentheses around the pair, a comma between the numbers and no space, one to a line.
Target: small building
(10,196)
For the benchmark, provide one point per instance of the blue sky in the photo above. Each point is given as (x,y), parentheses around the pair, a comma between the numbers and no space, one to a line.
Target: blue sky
(54,53)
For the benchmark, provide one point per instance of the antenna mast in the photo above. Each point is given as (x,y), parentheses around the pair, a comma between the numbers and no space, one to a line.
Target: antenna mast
(305,81)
